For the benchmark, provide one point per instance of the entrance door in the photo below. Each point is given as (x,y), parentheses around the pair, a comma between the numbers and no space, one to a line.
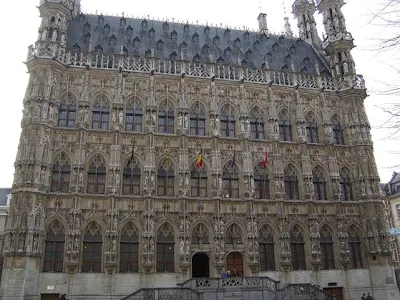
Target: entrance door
(234,260)
(200,265)
(337,293)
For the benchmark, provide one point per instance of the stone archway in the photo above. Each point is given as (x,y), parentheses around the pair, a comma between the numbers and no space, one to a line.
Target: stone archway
(234,261)
(200,265)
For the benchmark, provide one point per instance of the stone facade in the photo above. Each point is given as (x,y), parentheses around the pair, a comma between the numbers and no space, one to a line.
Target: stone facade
(71,92)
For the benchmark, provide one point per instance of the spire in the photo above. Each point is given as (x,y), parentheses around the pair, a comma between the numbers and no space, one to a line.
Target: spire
(338,41)
(303,11)
(262,23)
(288,30)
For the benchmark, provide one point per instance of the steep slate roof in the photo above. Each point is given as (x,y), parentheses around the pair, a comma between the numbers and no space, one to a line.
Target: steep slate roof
(3,195)
(140,37)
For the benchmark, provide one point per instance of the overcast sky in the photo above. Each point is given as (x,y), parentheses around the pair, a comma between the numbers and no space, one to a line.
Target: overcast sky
(20,22)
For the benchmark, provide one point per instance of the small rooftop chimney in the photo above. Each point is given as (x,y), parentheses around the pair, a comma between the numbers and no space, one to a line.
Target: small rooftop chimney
(262,23)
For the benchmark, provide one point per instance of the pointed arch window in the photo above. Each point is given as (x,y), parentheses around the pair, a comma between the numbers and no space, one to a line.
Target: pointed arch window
(131,178)
(101,114)
(199,182)
(291,183)
(129,249)
(197,120)
(266,249)
(319,184)
(61,174)
(346,192)
(326,244)
(96,175)
(227,122)
(133,118)
(67,112)
(166,119)
(256,125)
(54,248)
(337,132)
(261,183)
(92,249)
(230,181)
(165,178)
(356,261)
(298,257)
(285,127)
(311,129)
(165,249)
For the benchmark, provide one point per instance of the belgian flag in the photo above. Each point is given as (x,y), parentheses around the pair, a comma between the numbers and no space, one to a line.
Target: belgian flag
(199,160)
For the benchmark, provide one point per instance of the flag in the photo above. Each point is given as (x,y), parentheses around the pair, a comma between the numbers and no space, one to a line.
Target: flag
(264,163)
(234,159)
(199,160)
(131,159)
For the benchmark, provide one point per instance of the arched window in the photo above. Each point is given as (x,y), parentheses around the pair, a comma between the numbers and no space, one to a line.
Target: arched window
(198,182)
(346,192)
(228,122)
(165,178)
(129,249)
(266,249)
(61,174)
(131,178)
(101,114)
(356,261)
(96,181)
(291,183)
(133,117)
(319,184)
(166,119)
(92,248)
(197,120)
(311,129)
(200,234)
(256,124)
(337,131)
(298,257)
(230,181)
(326,243)
(67,112)
(54,248)
(165,249)
(261,182)
(285,127)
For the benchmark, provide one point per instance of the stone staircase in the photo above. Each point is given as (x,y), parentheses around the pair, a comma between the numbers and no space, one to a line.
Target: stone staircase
(234,288)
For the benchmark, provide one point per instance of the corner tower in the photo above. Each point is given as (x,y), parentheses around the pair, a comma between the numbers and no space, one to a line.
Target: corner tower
(338,41)
(56,14)
(303,11)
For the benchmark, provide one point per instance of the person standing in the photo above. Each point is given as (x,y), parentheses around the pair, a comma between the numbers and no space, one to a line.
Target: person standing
(363,297)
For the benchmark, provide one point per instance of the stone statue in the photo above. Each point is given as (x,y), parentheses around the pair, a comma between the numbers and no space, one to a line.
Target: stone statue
(180,122)
(247,127)
(217,126)
(44,34)
(152,181)
(117,179)
(181,247)
(328,131)
(54,36)
(242,125)
(186,122)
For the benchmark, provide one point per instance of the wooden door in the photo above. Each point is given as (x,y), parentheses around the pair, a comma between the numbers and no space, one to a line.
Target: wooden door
(49,296)
(336,292)
(234,260)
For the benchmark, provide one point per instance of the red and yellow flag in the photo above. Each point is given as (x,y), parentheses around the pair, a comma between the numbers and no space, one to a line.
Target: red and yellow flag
(199,160)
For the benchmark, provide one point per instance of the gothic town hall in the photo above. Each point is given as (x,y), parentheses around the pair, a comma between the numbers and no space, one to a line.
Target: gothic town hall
(155,152)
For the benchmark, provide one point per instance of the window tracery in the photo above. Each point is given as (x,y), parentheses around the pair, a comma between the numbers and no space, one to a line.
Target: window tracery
(285,126)
(311,128)
(129,249)
(92,248)
(326,244)
(199,180)
(54,248)
(230,181)
(197,119)
(96,181)
(346,192)
(165,178)
(291,183)
(101,113)
(266,249)
(337,131)
(227,121)
(60,179)
(298,258)
(166,118)
(67,112)
(257,124)
(134,116)
(319,183)
(356,259)
(131,178)
(165,248)
(261,182)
